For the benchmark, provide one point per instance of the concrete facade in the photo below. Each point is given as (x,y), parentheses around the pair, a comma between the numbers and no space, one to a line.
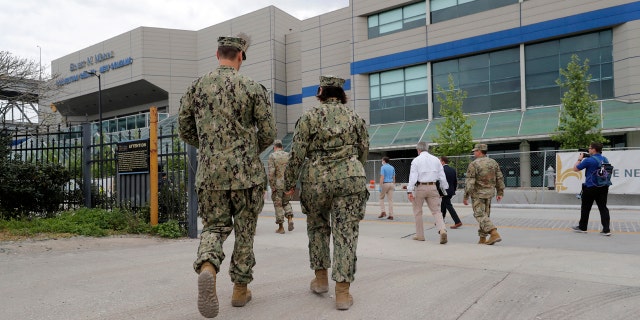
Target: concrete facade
(288,55)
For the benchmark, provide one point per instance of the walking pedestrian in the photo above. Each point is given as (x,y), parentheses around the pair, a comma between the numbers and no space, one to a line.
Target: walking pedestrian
(484,181)
(277,164)
(228,117)
(446,204)
(387,187)
(426,170)
(330,147)
(591,191)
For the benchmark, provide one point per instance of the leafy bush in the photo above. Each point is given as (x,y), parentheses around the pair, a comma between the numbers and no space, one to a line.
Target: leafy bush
(31,189)
(172,201)
(170,229)
(85,222)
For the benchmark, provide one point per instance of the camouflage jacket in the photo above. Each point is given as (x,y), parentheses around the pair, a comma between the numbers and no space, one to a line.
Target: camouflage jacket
(277,164)
(483,179)
(228,117)
(330,142)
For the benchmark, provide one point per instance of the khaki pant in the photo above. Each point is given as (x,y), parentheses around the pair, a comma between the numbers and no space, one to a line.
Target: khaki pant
(387,191)
(430,194)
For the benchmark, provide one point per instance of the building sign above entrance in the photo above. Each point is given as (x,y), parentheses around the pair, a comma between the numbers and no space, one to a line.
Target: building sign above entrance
(91,61)
(98,57)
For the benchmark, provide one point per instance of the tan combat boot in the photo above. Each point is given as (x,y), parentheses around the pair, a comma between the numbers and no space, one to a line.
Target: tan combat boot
(443,238)
(495,237)
(241,295)
(290,219)
(280,229)
(344,300)
(483,240)
(207,298)
(321,282)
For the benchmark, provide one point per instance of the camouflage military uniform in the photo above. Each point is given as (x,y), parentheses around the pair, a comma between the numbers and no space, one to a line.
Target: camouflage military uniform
(335,143)
(483,179)
(219,114)
(277,164)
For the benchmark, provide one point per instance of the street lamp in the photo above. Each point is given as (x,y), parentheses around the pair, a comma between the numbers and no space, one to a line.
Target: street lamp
(93,73)
(40,68)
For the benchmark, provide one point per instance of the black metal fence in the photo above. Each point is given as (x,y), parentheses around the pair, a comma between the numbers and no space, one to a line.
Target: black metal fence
(95,181)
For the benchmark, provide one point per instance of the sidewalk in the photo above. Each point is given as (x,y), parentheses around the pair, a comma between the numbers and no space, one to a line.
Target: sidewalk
(560,218)
(541,270)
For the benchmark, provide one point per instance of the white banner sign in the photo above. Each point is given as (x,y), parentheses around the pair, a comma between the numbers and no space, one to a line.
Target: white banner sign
(625,179)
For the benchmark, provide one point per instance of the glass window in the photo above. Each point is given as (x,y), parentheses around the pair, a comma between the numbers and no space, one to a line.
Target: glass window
(131,122)
(113,125)
(141,120)
(442,10)
(390,16)
(416,85)
(398,95)
(544,60)
(399,19)
(442,4)
(122,124)
(414,12)
(491,80)
(392,89)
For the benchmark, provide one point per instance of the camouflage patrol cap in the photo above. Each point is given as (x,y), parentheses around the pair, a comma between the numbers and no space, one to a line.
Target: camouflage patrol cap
(481,147)
(235,42)
(277,142)
(331,81)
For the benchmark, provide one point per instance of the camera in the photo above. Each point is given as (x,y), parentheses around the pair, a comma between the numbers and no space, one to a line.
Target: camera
(585,153)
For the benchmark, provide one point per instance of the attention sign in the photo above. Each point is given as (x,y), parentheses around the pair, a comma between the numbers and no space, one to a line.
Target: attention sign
(133,156)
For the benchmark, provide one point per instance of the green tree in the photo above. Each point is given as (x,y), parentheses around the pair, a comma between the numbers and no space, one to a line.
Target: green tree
(454,133)
(579,115)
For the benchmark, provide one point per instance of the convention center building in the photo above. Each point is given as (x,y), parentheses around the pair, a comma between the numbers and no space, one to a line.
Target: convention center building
(505,54)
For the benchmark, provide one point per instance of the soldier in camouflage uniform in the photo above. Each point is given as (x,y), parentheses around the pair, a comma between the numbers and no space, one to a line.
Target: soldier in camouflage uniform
(483,180)
(277,164)
(228,117)
(330,147)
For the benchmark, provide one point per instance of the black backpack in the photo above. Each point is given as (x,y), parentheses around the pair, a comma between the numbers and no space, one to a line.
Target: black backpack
(602,175)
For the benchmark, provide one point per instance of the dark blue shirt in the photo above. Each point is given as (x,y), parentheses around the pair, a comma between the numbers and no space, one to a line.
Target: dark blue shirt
(591,164)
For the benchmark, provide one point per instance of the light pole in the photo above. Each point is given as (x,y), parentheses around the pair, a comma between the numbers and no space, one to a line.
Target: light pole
(40,68)
(93,73)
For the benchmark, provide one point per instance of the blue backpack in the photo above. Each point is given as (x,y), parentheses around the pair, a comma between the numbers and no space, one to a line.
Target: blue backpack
(602,175)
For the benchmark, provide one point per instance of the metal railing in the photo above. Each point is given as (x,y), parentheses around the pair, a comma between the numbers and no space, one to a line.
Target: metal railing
(69,147)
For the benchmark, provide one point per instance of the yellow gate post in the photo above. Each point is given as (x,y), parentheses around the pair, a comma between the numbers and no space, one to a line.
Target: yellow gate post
(153,163)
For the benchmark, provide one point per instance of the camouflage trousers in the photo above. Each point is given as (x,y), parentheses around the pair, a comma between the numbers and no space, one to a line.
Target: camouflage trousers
(281,205)
(339,204)
(482,211)
(223,211)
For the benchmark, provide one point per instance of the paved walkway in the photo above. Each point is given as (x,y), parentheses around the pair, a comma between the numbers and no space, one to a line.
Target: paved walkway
(541,270)
(508,216)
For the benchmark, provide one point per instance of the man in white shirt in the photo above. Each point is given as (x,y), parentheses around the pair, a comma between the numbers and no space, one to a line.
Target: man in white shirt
(426,169)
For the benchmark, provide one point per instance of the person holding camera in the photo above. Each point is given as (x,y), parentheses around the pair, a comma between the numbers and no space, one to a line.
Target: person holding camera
(590,162)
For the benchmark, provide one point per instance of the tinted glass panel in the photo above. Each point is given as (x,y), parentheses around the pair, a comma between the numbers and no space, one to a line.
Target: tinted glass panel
(399,19)
(489,79)
(442,10)
(401,95)
(544,60)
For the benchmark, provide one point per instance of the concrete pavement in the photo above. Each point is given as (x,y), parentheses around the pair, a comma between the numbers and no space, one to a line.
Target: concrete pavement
(540,270)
